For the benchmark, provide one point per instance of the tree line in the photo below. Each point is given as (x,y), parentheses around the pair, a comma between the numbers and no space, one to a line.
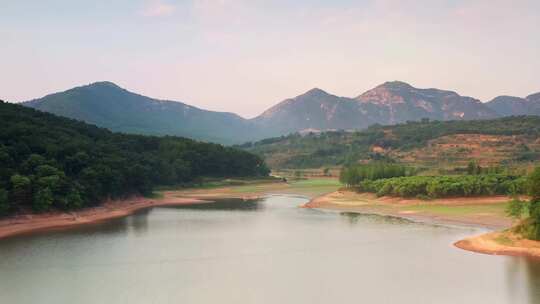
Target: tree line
(445,186)
(399,180)
(49,162)
(355,174)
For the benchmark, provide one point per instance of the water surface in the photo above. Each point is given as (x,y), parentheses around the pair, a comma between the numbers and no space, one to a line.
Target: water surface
(266,251)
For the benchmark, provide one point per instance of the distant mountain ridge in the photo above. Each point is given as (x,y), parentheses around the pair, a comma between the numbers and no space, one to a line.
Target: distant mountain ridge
(315,110)
(108,105)
(389,103)
(512,106)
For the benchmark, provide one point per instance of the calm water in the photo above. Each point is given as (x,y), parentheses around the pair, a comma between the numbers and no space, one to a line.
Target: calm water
(268,251)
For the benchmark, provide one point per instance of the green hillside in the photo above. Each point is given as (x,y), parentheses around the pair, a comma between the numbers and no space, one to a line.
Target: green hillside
(510,139)
(107,105)
(52,162)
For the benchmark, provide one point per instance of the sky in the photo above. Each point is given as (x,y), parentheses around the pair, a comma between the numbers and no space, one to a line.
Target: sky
(244,56)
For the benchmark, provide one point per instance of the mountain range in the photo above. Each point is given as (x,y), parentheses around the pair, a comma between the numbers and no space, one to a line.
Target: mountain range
(108,105)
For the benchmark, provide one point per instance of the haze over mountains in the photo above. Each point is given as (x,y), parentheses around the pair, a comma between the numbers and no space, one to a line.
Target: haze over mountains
(107,105)
(509,105)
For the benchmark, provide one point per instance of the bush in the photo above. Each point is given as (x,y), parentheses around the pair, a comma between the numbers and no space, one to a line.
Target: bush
(517,208)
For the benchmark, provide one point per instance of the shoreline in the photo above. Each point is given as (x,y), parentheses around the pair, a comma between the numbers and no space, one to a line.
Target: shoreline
(30,223)
(347,201)
(492,243)
(488,244)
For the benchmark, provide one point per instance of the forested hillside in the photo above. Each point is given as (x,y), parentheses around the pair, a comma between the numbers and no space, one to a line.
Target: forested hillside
(509,139)
(52,162)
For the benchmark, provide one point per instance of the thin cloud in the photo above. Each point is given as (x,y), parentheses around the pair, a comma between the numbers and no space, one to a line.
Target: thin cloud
(158,8)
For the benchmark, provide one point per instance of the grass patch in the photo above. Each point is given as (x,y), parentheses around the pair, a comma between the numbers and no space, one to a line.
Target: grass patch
(322,182)
(252,188)
(495,209)
(314,186)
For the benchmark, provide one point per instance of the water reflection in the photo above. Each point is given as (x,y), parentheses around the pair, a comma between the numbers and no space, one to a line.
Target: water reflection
(522,276)
(139,222)
(354,218)
(232,204)
(532,267)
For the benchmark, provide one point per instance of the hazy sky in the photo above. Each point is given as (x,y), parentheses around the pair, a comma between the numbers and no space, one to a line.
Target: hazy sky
(245,55)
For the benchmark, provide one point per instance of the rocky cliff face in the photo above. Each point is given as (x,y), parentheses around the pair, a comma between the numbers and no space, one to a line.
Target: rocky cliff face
(398,102)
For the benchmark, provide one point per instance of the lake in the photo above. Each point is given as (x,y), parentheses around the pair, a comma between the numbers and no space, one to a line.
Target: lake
(263,251)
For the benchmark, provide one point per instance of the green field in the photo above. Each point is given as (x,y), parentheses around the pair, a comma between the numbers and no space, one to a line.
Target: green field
(308,187)
(491,209)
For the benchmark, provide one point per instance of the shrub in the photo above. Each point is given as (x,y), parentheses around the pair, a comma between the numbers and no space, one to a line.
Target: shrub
(517,208)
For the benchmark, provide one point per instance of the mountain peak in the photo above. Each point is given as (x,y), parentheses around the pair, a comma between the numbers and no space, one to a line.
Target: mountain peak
(315,92)
(396,85)
(104,84)
(534,97)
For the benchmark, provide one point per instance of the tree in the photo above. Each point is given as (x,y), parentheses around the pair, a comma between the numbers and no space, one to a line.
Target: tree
(473,168)
(517,208)
(74,199)
(534,192)
(43,200)
(534,185)
(33,161)
(4,202)
(326,171)
(21,190)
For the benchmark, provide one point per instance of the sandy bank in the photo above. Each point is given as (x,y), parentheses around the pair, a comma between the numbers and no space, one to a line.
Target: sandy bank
(487,212)
(113,209)
(27,223)
(501,243)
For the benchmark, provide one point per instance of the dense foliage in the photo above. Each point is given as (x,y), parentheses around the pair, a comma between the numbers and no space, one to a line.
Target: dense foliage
(52,162)
(530,228)
(341,147)
(355,174)
(445,186)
